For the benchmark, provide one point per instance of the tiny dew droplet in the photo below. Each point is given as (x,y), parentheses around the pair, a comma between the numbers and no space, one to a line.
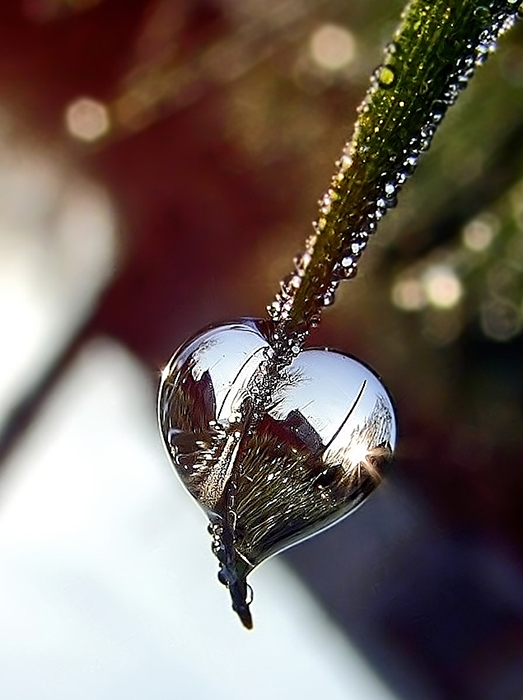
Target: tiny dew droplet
(386,76)
(390,188)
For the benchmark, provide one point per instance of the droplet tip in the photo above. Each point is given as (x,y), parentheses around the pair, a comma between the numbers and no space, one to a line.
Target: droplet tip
(245,617)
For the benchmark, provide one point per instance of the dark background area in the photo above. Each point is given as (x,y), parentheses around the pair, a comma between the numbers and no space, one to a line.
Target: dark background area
(222,122)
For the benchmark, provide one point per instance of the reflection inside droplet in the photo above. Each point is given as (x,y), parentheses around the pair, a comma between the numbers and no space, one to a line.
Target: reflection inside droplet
(273,457)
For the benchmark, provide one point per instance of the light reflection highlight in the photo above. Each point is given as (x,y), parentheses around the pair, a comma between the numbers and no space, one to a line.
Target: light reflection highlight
(332,47)
(442,286)
(408,294)
(87,119)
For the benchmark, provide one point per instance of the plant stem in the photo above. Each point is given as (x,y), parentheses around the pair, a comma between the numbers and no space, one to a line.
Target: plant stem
(430,59)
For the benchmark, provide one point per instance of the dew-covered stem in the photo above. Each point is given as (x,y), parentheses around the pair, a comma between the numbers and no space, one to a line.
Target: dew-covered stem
(430,59)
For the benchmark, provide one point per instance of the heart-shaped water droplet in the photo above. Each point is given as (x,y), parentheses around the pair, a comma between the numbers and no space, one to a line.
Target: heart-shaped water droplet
(273,453)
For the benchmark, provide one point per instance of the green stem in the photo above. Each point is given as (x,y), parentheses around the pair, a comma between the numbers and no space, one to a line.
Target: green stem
(431,58)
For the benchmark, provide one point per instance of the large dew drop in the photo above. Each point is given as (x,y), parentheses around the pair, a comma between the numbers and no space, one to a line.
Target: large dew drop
(271,475)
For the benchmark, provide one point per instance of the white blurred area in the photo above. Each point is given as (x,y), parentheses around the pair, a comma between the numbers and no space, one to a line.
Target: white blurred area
(108,587)
(57,252)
